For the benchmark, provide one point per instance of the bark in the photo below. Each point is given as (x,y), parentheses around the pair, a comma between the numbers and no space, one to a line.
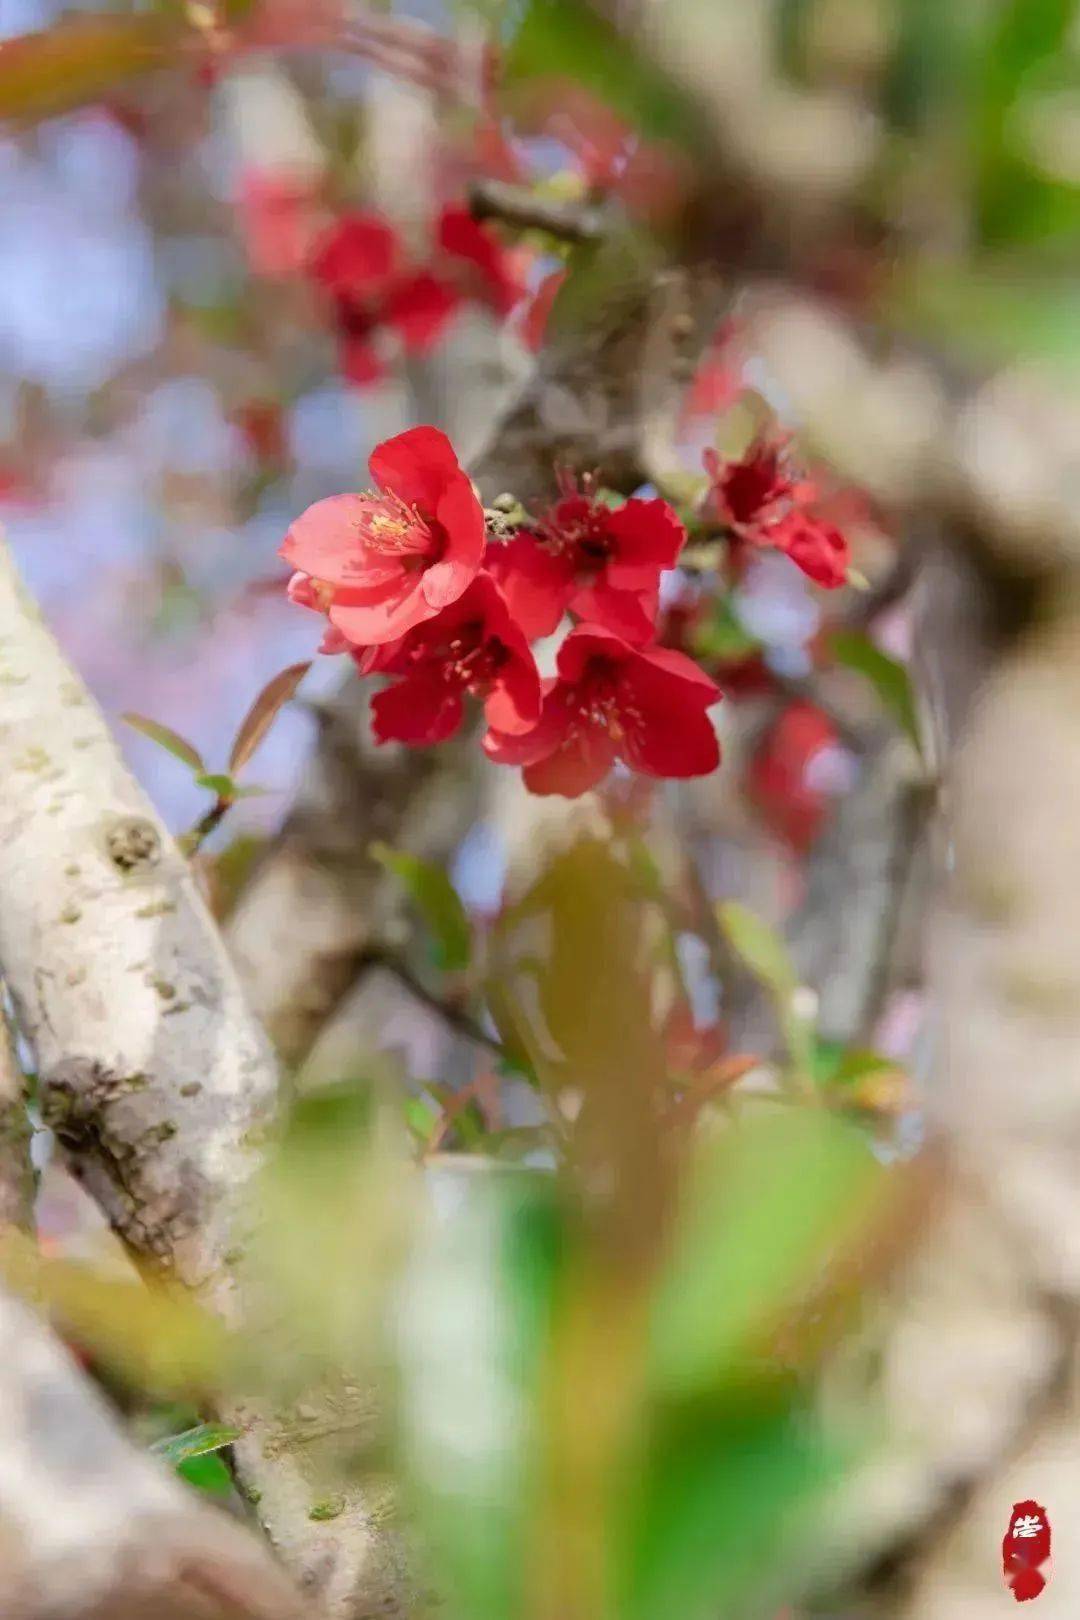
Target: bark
(152,1069)
(93,1529)
(16,1176)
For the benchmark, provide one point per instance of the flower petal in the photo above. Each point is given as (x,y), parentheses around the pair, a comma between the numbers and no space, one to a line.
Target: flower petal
(630,614)
(418,711)
(536,583)
(416,466)
(650,535)
(324,540)
(420,307)
(370,618)
(584,760)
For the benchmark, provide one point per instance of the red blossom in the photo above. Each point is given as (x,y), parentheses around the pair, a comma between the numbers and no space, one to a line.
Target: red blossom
(611,700)
(473,646)
(380,562)
(781,777)
(762,499)
(278,215)
(818,548)
(601,562)
(374,288)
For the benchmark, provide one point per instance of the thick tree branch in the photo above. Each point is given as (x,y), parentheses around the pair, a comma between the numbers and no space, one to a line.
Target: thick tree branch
(93,1529)
(152,1068)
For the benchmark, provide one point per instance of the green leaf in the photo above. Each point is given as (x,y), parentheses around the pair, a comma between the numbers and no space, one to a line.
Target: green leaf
(769,1202)
(1025,54)
(472,1336)
(223,786)
(260,717)
(437,901)
(207,1474)
(722,635)
(166,738)
(560,39)
(196,1442)
(760,947)
(887,676)
(720,1501)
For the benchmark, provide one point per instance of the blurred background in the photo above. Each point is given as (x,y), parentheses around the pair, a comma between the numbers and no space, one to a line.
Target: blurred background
(765,1297)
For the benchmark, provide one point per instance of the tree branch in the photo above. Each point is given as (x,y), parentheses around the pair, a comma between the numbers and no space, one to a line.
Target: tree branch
(152,1069)
(93,1529)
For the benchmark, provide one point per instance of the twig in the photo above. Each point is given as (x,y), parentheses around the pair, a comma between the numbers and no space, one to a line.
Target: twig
(453,1015)
(520,206)
(193,840)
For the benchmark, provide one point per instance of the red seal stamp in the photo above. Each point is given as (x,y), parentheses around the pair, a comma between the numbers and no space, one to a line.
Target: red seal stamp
(1025,1549)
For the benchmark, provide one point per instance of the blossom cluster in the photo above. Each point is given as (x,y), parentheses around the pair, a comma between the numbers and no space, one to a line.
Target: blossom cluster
(414,588)
(381,299)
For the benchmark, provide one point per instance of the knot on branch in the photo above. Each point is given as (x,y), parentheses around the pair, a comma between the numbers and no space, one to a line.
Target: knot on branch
(133,843)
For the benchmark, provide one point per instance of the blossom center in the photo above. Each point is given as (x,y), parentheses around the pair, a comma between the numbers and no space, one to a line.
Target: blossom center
(386,524)
(470,660)
(579,527)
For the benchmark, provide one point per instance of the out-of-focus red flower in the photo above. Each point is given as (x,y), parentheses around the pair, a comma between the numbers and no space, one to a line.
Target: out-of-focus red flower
(381,562)
(279,220)
(765,501)
(473,646)
(479,263)
(361,265)
(262,423)
(603,563)
(780,780)
(718,380)
(611,700)
(494,153)
(817,547)
(689,1048)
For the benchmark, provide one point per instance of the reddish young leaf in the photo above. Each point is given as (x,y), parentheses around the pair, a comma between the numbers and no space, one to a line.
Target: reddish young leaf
(260,717)
(165,737)
(80,60)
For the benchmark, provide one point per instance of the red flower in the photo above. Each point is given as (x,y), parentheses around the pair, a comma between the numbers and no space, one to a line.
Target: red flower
(818,548)
(361,265)
(764,501)
(486,267)
(381,562)
(604,563)
(645,706)
(781,779)
(278,215)
(472,646)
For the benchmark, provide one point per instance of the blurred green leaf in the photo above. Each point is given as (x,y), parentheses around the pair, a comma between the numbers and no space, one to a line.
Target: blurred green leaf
(764,952)
(260,717)
(196,1442)
(887,676)
(759,945)
(719,634)
(990,315)
(437,901)
(207,1473)
(472,1339)
(569,39)
(766,1207)
(333,1198)
(719,1497)
(223,786)
(166,738)
(1025,41)
(79,60)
